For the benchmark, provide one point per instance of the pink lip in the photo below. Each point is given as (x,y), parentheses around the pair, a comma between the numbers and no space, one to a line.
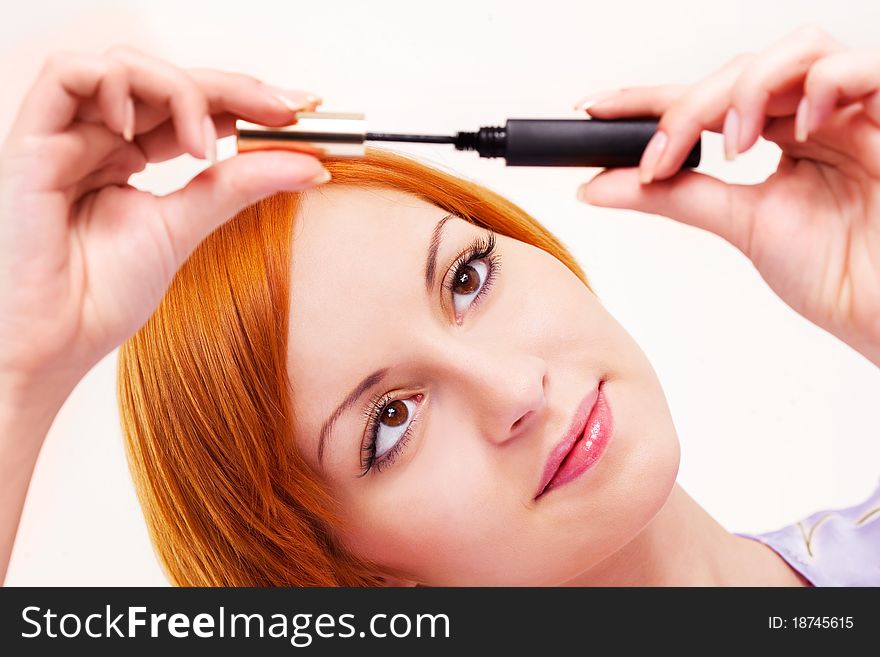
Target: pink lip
(582,445)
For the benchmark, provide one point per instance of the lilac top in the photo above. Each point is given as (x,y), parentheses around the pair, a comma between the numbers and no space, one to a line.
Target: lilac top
(835,547)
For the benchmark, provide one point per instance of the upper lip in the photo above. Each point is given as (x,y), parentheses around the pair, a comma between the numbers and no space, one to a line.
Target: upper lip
(563,447)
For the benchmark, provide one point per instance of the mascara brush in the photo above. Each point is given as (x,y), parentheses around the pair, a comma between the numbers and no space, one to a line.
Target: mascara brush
(520,142)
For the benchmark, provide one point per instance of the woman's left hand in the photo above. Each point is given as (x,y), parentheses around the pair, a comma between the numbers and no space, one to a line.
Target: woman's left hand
(812,228)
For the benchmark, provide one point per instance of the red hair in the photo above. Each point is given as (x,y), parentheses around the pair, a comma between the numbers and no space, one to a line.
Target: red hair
(205,400)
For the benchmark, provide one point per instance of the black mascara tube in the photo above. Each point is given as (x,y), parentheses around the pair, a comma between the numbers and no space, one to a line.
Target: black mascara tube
(567,142)
(520,142)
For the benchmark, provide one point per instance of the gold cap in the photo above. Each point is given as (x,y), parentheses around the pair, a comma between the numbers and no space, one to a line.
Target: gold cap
(322,134)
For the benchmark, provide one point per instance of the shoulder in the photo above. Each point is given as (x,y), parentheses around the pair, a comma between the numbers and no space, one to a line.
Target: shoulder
(833,547)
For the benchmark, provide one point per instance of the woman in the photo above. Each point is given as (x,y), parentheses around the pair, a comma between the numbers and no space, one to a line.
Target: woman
(246,344)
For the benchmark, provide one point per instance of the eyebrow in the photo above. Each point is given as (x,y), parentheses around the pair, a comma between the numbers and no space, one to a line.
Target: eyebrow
(379,375)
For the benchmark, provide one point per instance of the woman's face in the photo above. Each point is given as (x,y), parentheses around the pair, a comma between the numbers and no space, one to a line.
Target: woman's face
(484,379)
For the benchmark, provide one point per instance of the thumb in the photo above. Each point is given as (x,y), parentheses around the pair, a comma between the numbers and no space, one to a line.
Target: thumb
(219,192)
(689,197)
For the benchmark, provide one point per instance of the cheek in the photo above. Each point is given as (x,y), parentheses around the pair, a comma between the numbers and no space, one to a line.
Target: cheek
(442,523)
(640,467)
(548,311)
(539,297)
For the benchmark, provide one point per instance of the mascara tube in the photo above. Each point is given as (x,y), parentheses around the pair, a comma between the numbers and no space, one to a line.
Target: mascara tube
(520,142)
(568,142)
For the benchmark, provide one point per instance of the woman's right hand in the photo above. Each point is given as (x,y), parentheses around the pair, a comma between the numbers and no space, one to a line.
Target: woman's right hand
(812,229)
(85,258)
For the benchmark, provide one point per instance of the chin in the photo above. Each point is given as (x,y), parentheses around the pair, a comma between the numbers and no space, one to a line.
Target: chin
(604,510)
(642,491)
(647,469)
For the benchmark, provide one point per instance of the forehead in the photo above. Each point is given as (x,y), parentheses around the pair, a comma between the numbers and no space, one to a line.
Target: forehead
(356,288)
(348,240)
(357,217)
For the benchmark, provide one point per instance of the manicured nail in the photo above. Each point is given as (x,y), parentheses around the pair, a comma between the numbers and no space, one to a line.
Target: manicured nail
(128,120)
(750,123)
(589,101)
(651,156)
(293,101)
(731,133)
(292,105)
(801,120)
(209,136)
(321,178)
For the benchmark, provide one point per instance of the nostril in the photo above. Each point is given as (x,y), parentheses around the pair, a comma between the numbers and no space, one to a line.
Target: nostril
(517,424)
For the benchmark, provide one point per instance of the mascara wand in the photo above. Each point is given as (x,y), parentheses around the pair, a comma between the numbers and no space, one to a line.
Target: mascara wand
(521,142)
(423,139)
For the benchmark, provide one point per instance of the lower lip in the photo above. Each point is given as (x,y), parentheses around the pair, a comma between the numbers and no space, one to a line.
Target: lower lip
(589,447)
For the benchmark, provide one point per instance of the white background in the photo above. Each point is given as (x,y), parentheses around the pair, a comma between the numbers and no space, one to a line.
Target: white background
(776,418)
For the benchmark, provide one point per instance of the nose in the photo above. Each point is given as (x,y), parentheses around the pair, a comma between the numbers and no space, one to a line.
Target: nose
(502,387)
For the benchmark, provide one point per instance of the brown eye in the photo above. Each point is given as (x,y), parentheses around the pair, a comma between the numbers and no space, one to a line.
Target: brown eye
(394,414)
(392,424)
(469,282)
(466,280)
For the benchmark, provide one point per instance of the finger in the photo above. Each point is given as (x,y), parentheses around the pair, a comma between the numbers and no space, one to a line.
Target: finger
(872,106)
(852,146)
(250,98)
(691,198)
(848,141)
(115,173)
(220,191)
(91,145)
(112,98)
(247,97)
(841,77)
(634,101)
(88,86)
(654,100)
(66,78)
(165,86)
(701,107)
(251,102)
(779,69)
(230,96)
(61,160)
(160,143)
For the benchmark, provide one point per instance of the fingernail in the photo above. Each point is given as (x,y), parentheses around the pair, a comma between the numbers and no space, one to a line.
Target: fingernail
(651,156)
(749,124)
(321,178)
(293,101)
(209,136)
(582,194)
(731,133)
(292,105)
(801,120)
(590,100)
(128,120)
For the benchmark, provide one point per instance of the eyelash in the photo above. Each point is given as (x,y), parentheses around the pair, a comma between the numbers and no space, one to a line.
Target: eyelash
(482,248)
